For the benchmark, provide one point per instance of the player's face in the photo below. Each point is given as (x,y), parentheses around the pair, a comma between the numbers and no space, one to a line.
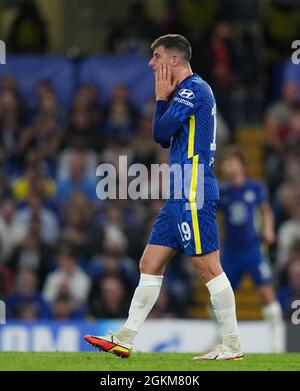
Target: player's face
(161,56)
(231,168)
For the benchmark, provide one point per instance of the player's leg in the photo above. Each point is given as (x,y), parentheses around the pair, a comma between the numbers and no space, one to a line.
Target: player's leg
(200,231)
(272,312)
(233,268)
(223,302)
(162,246)
(152,264)
(261,273)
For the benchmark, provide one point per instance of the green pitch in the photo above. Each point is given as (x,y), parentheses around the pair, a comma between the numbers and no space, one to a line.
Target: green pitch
(144,362)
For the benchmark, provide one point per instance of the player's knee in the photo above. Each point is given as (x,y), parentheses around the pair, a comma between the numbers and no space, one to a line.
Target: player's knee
(207,271)
(148,267)
(207,275)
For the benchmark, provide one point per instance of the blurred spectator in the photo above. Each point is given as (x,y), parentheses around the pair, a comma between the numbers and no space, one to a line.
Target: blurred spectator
(278,117)
(8,83)
(49,105)
(64,308)
(293,131)
(78,180)
(122,224)
(81,131)
(5,190)
(123,267)
(143,147)
(48,143)
(7,282)
(10,118)
(87,98)
(48,220)
(27,302)
(291,291)
(67,155)
(249,92)
(43,89)
(120,115)
(219,67)
(288,232)
(108,297)
(282,156)
(32,253)
(80,202)
(135,34)
(67,279)
(291,160)
(77,225)
(283,201)
(12,233)
(163,307)
(28,33)
(114,246)
(33,180)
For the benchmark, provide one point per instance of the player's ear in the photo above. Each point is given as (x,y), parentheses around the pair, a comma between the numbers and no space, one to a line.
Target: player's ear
(175,61)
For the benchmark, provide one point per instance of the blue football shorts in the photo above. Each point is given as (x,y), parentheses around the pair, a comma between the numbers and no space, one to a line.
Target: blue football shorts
(252,261)
(193,232)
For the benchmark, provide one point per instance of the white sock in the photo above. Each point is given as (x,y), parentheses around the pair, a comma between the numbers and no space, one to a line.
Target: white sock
(143,300)
(217,338)
(223,302)
(273,314)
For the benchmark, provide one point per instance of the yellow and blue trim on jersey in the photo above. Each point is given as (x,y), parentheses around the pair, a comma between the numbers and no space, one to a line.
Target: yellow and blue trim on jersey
(193,188)
(191,142)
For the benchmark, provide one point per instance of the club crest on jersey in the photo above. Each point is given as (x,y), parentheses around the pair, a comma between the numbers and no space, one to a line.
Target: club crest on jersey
(186,93)
(249,196)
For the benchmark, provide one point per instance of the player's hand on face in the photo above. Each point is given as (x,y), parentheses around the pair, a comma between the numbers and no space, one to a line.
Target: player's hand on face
(164,86)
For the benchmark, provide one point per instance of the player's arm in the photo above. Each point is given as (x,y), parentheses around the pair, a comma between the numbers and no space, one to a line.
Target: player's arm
(164,124)
(268,232)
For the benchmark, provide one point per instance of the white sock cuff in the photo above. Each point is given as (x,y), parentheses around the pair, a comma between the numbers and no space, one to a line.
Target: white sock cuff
(218,284)
(150,280)
(272,310)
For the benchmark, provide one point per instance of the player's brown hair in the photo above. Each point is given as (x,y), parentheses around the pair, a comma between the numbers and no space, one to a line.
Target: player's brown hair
(235,152)
(175,42)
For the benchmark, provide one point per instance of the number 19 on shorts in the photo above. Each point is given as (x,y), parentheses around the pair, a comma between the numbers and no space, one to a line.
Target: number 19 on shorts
(185,231)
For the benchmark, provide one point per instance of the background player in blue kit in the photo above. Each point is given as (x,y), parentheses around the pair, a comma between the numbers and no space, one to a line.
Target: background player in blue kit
(244,202)
(184,121)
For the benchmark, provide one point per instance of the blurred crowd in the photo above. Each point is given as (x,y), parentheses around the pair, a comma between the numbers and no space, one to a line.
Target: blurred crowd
(66,254)
(282,166)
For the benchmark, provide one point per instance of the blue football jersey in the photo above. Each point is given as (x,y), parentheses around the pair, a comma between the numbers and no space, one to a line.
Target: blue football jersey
(194,143)
(239,205)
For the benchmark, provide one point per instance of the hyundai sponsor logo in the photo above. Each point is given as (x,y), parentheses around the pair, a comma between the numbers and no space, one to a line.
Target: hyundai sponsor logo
(187,94)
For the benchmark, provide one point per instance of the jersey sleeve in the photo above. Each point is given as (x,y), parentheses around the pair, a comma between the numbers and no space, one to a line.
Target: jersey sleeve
(169,117)
(164,125)
(184,103)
